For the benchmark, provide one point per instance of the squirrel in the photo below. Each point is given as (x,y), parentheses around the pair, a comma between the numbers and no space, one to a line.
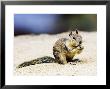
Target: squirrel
(64,50)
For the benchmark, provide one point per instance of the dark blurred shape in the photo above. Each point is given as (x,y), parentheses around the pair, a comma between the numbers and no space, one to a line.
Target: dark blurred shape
(84,22)
(53,23)
(38,23)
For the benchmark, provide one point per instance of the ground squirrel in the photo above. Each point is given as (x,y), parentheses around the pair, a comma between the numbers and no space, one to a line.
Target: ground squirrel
(63,50)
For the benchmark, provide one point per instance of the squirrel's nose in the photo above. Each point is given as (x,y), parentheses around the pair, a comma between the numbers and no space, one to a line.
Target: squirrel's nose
(81,47)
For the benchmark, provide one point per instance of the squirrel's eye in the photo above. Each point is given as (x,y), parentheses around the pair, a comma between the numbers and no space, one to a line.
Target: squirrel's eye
(80,42)
(73,37)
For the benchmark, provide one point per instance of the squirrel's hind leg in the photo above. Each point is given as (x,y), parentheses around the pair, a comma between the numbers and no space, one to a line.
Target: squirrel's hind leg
(62,59)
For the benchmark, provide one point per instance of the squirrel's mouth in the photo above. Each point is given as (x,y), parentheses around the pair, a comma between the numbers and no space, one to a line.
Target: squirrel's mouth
(80,47)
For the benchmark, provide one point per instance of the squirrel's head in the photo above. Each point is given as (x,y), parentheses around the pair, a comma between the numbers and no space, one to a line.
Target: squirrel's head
(76,38)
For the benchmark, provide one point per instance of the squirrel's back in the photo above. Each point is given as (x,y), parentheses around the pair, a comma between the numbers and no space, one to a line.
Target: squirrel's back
(60,46)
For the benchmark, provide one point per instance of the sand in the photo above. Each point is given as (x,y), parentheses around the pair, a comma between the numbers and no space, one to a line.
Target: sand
(29,47)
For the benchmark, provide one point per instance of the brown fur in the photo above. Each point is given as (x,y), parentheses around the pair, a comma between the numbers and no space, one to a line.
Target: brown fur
(65,49)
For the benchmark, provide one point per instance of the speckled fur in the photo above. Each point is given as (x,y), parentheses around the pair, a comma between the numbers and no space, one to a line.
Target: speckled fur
(65,49)
(45,59)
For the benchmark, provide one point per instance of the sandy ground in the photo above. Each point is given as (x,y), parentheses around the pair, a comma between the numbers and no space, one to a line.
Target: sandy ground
(29,47)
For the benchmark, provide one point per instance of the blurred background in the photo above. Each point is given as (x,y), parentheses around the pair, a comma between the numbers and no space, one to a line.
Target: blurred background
(53,23)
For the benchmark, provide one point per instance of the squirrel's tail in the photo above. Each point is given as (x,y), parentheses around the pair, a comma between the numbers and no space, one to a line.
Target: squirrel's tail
(45,59)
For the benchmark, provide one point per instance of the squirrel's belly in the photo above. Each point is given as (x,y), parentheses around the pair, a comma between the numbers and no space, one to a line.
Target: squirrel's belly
(70,54)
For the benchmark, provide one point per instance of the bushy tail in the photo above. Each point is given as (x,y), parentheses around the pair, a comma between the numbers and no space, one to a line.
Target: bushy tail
(45,59)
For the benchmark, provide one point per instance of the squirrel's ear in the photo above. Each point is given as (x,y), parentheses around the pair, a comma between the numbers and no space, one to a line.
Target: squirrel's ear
(76,31)
(70,33)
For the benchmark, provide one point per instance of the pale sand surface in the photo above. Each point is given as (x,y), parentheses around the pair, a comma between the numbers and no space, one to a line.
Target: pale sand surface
(29,47)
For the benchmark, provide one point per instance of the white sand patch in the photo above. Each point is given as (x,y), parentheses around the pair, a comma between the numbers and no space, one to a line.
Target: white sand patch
(29,47)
